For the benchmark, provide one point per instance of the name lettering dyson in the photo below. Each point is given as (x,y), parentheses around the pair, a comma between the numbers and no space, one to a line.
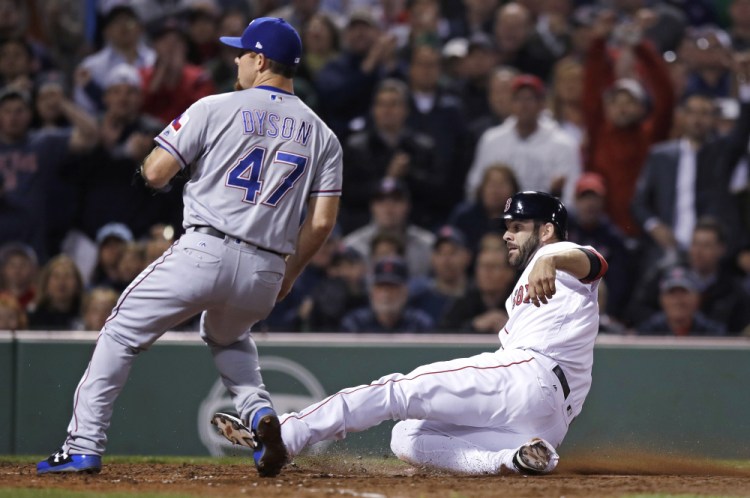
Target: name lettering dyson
(269,124)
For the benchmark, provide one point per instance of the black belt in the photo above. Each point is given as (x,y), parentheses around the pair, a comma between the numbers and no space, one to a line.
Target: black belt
(563,381)
(217,233)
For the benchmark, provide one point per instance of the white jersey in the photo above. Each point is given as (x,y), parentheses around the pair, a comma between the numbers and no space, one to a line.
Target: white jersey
(255,157)
(563,330)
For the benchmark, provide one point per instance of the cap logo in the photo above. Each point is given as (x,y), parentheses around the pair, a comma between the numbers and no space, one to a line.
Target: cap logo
(507,205)
(258,45)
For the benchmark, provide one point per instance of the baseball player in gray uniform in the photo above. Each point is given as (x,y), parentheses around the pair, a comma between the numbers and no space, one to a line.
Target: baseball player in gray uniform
(258,160)
(498,411)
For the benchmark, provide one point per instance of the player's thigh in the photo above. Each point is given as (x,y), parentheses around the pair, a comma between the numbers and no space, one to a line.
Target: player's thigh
(496,390)
(173,288)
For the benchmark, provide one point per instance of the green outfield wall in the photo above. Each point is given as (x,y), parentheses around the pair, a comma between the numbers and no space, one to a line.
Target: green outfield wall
(677,396)
(6,393)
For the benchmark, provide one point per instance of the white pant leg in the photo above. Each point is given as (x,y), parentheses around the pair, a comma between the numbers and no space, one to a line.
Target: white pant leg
(467,450)
(507,391)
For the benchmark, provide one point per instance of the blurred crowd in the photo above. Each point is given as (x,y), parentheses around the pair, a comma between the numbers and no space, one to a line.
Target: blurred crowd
(636,113)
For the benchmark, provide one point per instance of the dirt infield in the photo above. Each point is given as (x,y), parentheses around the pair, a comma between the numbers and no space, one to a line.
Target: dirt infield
(372,478)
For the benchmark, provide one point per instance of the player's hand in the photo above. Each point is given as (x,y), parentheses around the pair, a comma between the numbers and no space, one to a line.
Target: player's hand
(399,165)
(541,281)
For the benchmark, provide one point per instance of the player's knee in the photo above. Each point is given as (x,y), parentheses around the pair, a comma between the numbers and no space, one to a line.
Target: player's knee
(402,440)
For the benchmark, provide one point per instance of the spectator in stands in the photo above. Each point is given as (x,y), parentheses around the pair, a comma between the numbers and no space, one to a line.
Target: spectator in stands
(482,309)
(589,225)
(282,316)
(97,306)
(322,43)
(553,28)
(388,310)
(171,84)
(389,148)
(161,237)
(389,207)
(343,291)
(565,100)
(17,64)
(621,121)
(500,100)
(663,24)
(427,26)
(739,10)
(108,193)
(679,300)
(541,155)
(50,91)
(111,240)
(439,115)
(386,244)
(475,69)
(31,161)
(132,262)
(475,218)
(518,44)
(722,296)
(477,17)
(202,19)
(346,84)
(60,295)
(297,12)
(449,279)
(688,177)
(709,54)
(12,315)
(17,222)
(222,68)
(123,45)
(18,272)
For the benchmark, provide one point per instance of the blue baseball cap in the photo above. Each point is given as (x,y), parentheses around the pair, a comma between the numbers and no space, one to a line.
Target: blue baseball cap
(271,36)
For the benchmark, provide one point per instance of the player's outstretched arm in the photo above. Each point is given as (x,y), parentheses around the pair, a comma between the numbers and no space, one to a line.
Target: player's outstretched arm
(318,224)
(158,168)
(584,264)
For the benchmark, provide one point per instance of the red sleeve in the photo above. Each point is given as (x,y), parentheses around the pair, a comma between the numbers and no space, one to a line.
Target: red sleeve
(659,83)
(598,75)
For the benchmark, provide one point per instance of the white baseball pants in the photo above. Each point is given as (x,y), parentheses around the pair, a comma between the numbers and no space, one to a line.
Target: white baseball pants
(467,415)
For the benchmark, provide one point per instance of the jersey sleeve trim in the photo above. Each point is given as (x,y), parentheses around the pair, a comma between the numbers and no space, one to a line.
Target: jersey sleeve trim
(325,193)
(602,269)
(172,150)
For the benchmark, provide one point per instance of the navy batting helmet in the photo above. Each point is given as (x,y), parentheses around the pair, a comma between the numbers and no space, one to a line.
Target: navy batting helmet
(532,205)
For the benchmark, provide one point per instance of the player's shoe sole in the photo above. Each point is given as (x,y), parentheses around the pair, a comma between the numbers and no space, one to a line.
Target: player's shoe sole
(61,462)
(234,430)
(269,451)
(536,457)
(270,455)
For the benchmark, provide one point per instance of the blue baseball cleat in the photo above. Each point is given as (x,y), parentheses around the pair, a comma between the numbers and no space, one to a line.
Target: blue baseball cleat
(60,461)
(270,453)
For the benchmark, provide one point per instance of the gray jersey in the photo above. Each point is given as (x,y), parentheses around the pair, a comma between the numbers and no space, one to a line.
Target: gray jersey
(255,157)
